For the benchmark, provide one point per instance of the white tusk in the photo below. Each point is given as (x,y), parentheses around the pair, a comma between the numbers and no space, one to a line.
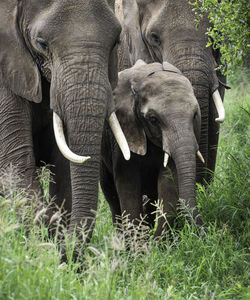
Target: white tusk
(61,142)
(219,106)
(200,157)
(119,135)
(166,157)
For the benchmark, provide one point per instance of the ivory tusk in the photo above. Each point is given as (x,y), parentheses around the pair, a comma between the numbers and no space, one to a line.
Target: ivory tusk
(61,142)
(200,157)
(119,135)
(166,157)
(219,106)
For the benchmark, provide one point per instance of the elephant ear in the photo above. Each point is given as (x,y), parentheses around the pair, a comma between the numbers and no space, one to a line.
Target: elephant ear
(168,67)
(132,32)
(125,110)
(18,71)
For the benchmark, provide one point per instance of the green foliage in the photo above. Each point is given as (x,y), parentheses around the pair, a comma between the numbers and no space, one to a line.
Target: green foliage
(229,32)
(230,191)
(187,266)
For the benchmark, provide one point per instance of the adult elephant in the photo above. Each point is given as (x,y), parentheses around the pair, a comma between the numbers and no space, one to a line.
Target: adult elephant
(165,30)
(56,55)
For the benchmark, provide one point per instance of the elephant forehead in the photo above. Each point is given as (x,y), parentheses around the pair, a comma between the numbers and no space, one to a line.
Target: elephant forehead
(169,104)
(71,18)
(168,96)
(166,86)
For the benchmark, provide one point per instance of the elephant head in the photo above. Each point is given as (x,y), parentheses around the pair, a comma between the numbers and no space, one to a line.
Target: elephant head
(157,102)
(69,44)
(165,30)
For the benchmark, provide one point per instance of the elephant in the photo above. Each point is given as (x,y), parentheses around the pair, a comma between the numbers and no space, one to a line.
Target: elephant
(57,68)
(165,30)
(160,117)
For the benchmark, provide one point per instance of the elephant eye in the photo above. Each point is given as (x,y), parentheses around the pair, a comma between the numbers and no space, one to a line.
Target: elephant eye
(153,120)
(155,39)
(117,42)
(42,44)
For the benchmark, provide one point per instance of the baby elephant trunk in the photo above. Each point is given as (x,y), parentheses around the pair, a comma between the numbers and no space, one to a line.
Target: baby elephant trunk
(184,156)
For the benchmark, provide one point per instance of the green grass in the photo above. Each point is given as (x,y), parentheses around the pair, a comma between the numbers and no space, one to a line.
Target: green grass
(185,267)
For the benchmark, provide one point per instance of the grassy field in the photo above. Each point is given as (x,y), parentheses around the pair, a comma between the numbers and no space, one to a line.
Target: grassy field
(185,267)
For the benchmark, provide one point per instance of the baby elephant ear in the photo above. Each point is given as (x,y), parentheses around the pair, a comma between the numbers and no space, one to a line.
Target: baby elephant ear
(18,71)
(168,67)
(139,63)
(125,111)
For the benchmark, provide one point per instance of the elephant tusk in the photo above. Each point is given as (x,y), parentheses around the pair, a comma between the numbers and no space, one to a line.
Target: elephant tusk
(166,157)
(219,106)
(119,135)
(61,142)
(200,157)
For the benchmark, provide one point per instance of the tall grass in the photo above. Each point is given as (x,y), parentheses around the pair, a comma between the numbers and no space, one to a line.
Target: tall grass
(186,266)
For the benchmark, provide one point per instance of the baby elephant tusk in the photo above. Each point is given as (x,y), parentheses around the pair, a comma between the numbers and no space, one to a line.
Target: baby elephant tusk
(200,157)
(166,157)
(119,135)
(219,106)
(61,142)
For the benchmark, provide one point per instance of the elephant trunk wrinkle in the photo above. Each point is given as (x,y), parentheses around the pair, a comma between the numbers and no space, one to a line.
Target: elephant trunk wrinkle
(185,161)
(202,84)
(195,62)
(84,192)
(81,100)
(84,128)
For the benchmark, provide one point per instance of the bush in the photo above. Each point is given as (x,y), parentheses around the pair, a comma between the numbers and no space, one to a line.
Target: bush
(229,31)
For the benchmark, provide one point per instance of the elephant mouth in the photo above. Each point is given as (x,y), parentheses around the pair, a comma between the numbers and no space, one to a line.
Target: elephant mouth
(167,156)
(73,157)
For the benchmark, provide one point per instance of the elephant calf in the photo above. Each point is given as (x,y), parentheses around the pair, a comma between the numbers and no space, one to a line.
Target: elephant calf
(160,116)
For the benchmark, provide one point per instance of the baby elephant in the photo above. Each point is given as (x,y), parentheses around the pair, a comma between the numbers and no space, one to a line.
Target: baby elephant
(160,116)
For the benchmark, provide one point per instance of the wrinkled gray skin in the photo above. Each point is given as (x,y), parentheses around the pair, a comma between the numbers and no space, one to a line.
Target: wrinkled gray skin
(161,115)
(165,30)
(56,55)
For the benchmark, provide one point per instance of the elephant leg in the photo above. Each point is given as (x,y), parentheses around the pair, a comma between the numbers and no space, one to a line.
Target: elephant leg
(149,191)
(168,196)
(16,140)
(149,208)
(109,191)
(128,186)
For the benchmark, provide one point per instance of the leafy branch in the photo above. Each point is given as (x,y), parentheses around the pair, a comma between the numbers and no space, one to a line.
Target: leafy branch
(229,31)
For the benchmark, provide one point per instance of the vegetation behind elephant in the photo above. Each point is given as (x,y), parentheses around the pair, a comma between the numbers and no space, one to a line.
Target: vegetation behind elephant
(160,116)
(57,58)
(165,30)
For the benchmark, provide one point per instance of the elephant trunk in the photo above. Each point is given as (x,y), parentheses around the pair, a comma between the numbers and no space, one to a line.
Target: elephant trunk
(80,94)
(184,156)
(84,123)
(200,83)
